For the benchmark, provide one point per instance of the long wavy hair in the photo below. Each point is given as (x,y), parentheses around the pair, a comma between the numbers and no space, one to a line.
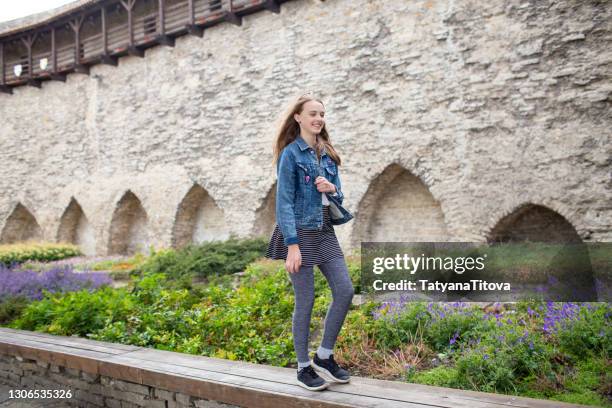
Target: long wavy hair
(289,129)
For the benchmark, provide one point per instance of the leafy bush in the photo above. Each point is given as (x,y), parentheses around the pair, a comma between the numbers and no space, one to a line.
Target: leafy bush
(11,308)
(206,259)
(249,322)
(543,350)
(443,326)
(537,350)
(580,330)
(75,313)
(32,251)
(441,376)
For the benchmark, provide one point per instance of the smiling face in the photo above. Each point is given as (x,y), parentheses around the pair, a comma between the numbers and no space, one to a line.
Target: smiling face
(312,118)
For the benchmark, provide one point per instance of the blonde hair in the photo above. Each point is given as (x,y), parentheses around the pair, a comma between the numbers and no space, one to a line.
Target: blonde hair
(289,129)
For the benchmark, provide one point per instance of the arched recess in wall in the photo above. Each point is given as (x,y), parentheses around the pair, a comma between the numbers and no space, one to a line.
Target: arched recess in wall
(536,223)
(75,228)
(265,215)
(198,219)
(569,269)
(399,207)
(129,231)
(21,225)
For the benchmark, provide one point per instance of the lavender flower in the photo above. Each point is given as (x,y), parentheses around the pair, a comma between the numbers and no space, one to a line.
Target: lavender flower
(30,284)
(556,318)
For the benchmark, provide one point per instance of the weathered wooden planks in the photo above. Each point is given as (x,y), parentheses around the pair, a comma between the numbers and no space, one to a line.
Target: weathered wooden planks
(240,383)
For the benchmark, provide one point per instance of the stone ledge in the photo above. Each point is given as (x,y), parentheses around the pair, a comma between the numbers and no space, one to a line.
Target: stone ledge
(101,374)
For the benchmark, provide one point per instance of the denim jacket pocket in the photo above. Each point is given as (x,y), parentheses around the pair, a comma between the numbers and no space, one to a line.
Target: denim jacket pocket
(331,170)
(306,173)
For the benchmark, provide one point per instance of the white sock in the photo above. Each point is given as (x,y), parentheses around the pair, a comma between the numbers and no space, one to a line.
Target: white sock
(324,353)
(302,365)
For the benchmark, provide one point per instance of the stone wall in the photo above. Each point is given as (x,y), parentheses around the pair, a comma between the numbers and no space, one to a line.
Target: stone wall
(449,117)
(85,390)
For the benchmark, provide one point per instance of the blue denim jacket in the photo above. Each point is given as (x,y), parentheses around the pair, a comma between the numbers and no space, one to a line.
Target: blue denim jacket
(298,202)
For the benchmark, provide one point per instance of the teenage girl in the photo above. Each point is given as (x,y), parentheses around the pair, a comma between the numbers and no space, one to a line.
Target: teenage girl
(308,204)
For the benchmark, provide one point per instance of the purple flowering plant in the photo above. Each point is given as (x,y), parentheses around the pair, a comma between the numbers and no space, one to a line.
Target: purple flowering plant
(32,285)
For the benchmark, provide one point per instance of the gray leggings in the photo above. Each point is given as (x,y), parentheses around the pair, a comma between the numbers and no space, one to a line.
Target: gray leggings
(336,273)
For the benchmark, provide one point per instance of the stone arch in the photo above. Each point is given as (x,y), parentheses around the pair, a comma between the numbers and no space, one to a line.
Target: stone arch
(21,225)
(75,228)
(533,222)
(398,206)
(198,219)
(129,232)
(571,268)
(265,215)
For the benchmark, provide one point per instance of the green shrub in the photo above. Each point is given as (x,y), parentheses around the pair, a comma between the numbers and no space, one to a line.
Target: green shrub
(450,326)
(11,308)
(75,313)
(394,328)
(251,322)
(355,274)
(206,259)
(588,333)
(36,251)
(485,370)
(441,376)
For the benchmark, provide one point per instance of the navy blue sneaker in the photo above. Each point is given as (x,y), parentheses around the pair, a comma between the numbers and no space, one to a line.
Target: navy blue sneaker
(309,379)
(331,369)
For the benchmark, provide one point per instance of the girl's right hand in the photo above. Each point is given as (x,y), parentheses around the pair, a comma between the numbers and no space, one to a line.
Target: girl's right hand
(294,259)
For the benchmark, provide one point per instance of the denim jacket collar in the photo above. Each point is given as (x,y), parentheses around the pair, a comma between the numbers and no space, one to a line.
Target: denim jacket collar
(301,142)
(303,145)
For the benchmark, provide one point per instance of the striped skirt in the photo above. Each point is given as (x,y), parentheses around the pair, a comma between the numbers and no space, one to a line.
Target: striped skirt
(316,247)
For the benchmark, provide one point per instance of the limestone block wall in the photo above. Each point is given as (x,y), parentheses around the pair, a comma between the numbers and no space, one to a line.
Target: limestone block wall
(70,387)
(449,116)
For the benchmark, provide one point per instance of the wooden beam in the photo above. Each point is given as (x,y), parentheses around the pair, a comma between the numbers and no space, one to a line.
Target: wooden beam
(161,11)
(162,38)
(76,25)
(232,17)
(128,7)
(192,28)
(272,5)
(33,82)
(3,87)
(56,76)
(132,49)
(135,51)
(105,58)
(191,12)
(81,69)
(108,60)
(104,30)
(195,30)
(2,76)
(29,42)
(53,52)
(165,40)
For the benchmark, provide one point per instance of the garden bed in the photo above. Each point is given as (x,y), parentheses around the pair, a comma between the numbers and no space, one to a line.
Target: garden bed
(557,351)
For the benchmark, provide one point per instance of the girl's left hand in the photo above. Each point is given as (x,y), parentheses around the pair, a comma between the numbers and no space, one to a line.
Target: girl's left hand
(324,186)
